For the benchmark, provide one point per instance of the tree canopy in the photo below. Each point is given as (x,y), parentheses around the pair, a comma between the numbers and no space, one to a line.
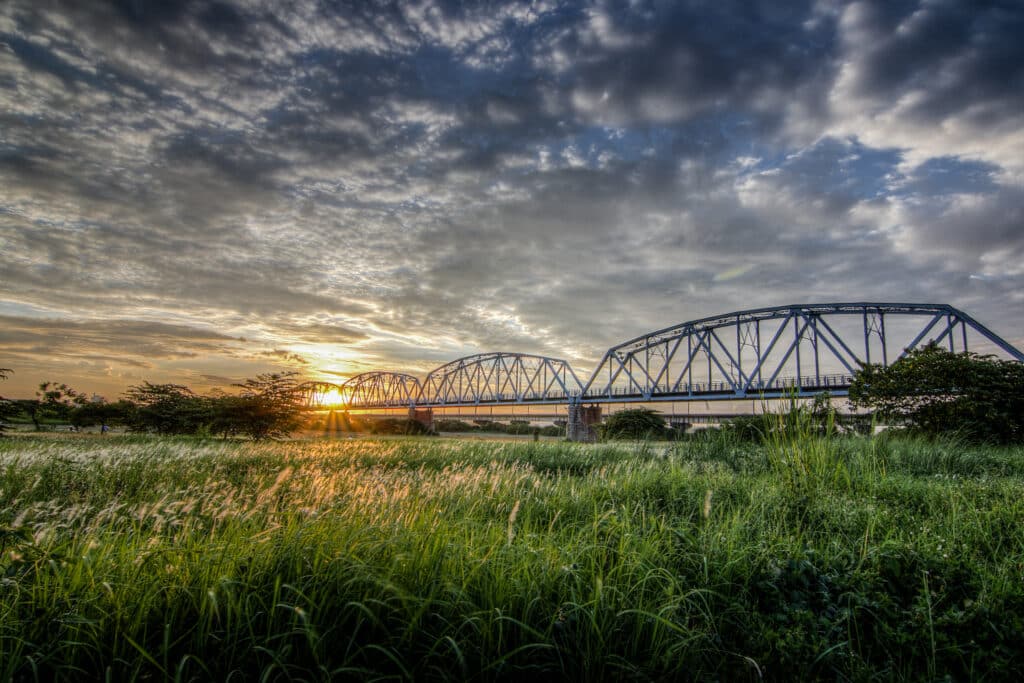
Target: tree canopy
(934,391)
(165,409)
(7,408)
(268,406)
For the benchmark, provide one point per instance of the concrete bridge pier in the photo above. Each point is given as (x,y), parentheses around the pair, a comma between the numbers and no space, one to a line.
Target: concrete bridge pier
(582,424)
(425,416)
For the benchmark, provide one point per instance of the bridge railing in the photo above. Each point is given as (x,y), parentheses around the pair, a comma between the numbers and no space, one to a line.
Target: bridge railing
(835,382)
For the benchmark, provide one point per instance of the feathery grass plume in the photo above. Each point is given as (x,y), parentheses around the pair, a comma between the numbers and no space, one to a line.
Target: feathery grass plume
(512,521)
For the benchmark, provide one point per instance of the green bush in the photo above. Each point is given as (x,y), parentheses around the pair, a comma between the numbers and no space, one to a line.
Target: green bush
(398,425)
(636,423)
(446,425)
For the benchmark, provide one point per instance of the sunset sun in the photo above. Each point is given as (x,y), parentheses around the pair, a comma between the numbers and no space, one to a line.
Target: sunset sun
(331,398)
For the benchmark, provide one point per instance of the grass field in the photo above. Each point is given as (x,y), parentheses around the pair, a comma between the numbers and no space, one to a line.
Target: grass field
(800,558)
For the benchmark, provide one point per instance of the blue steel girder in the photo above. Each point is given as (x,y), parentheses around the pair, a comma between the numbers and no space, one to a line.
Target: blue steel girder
(382,390)
(500,377)
(724,355)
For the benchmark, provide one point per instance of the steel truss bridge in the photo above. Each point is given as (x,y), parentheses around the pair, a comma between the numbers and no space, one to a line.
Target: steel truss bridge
(797,350)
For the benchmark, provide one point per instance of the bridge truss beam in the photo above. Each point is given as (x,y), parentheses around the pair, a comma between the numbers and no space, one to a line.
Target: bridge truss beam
(500,377)
(382,390)
(775,351)
(765,352)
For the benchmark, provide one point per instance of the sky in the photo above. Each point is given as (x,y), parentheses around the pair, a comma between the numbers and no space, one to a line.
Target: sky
(199,192)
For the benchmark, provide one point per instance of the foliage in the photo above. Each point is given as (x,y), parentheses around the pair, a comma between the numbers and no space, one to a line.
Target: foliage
(750,428)
(456,426)
(30,408)
(8,409)
(268,406)
(934,391)
(797,420)
(56,401)
(398,425)
(517,427)
(423,560)
(636,423)
(165,409)
(101,413)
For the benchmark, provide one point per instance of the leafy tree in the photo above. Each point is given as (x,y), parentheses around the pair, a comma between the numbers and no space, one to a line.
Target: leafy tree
(165,409)
(636,423)
(33,409)
(268,406)
(934,391)
(55,402)
(101,413)
(7,408)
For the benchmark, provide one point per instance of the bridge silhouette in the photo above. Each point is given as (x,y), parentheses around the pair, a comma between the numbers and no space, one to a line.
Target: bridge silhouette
(764,353)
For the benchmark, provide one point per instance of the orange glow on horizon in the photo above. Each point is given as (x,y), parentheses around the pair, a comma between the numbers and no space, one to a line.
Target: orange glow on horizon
(331,399)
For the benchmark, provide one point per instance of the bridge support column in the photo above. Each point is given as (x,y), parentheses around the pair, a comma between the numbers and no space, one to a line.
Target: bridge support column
(425,416)
(582,424)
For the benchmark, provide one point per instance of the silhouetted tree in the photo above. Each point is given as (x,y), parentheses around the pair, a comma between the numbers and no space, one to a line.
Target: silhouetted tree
(55,402)
(268,406)
(8,409)
(101,413)
(165,409)
(31,408)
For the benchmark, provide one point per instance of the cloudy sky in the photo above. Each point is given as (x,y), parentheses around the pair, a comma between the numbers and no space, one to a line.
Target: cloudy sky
(199,192)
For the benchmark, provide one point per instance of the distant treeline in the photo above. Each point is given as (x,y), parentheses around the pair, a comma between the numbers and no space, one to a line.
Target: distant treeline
(517,427)
(267,406)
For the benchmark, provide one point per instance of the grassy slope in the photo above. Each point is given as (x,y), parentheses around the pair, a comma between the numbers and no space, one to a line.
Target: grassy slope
(808,558)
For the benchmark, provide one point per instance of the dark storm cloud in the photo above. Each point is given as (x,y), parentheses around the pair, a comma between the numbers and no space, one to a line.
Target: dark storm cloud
(418,181)
(661,62)
(959,57)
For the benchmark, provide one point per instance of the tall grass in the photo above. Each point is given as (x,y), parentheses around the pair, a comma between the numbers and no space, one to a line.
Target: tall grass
(809,556)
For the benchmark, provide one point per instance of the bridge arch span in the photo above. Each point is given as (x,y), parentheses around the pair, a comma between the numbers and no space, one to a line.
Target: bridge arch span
(380,389)
(500,377)
(806,348)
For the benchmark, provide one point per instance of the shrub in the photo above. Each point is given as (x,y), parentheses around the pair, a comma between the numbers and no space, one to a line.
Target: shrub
(398,425)
(448,425)
(636,423)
